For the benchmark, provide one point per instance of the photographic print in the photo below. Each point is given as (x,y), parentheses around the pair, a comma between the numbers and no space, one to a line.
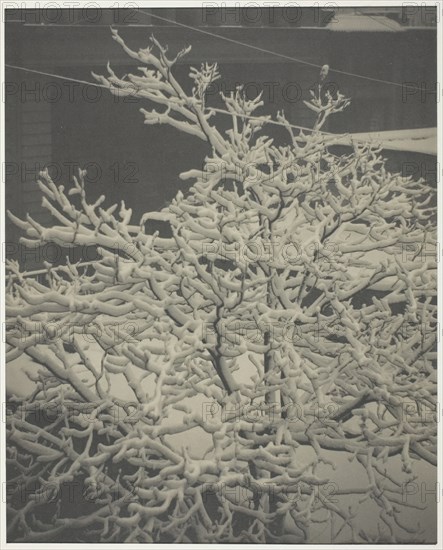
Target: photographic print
(219,276)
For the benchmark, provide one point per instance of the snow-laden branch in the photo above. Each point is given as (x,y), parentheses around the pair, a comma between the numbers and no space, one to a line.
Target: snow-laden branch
(292,306)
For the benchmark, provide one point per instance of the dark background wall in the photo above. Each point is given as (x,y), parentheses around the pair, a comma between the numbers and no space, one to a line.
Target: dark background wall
(66,125)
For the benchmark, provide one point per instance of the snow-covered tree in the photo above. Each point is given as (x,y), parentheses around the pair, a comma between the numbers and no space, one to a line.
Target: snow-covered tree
(207,381)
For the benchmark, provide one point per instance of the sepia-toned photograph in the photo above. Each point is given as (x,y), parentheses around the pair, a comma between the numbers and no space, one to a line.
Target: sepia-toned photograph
(220,266)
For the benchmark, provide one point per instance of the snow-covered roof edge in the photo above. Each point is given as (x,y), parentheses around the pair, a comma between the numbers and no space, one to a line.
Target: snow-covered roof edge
(423,140)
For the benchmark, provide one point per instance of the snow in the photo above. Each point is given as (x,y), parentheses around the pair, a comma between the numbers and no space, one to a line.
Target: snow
(345,22)
(423,140)
(197,443)
(185,358)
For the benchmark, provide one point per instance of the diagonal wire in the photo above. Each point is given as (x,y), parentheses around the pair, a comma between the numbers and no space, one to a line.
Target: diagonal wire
(276,54)
(222,111)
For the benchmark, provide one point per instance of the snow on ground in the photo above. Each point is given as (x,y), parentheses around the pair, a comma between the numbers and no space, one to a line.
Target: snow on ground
(197,442)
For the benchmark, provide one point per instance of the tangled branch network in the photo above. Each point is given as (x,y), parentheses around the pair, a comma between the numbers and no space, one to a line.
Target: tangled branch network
(282,317)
